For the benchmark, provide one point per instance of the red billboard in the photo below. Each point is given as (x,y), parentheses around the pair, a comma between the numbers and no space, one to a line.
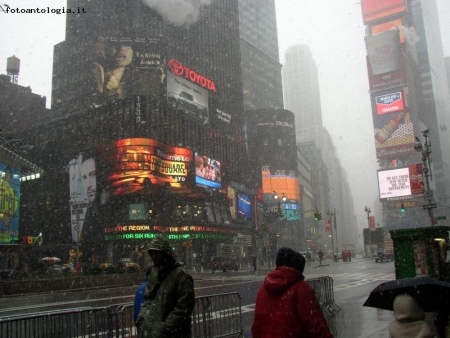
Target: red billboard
(374,10)
(135,164)
(389,103)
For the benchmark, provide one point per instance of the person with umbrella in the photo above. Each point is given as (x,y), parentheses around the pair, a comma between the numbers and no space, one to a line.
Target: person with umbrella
(409,320)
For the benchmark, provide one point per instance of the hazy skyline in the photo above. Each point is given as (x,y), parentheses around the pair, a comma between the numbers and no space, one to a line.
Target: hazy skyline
(333,30)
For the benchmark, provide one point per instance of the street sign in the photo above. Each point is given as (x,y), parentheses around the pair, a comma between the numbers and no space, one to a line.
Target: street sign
(441,217)
(430,206)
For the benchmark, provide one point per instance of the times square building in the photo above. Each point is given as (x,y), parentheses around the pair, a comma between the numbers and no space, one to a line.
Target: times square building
(146,136)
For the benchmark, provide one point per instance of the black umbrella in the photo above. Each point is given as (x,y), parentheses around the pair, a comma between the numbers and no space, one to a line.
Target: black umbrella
(430,294)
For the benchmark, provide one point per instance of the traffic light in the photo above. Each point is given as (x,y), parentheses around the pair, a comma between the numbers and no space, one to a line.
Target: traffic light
(402,207)
(317,216)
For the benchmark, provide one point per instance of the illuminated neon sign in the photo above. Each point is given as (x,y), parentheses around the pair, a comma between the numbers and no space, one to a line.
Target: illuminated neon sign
(176,229)
(178,69)
(184,237)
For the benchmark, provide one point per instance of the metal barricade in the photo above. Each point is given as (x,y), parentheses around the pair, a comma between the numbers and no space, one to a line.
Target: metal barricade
(323,287)
(92,322)
(214,316)
(217,316)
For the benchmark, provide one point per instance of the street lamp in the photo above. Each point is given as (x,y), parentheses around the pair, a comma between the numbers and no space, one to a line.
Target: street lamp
(426,161)
(368,211)
(276,198)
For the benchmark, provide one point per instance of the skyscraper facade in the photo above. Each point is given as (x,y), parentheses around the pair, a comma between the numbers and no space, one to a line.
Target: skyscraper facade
(261,69)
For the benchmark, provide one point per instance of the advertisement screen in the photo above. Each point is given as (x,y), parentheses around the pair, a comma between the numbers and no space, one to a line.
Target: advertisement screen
(125,67)
(393,128)
(187,97)
(9,203)
(400,182)
(388,80)
(386,26)
(244,206)
(134,164)
(383,51)
(281,182)
(389,103)
(378,9)
(83,193)
(207,172)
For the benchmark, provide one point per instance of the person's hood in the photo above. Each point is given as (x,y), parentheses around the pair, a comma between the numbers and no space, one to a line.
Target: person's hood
(162,244)
(281,279)
(406,309)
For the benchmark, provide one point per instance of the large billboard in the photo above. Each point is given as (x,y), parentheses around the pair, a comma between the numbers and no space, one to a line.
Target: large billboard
(374,10)
(121,67)
(281,182)
(9,203)
(188,98)
(401,182)
(83,193)
(207,172)
(395,78)
(393,127)
(383,51)
(134,164)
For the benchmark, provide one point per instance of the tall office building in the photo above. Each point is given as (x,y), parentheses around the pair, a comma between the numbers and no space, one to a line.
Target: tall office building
(152,103)
(302,96)
(301,88)
(435,110)
(261,69)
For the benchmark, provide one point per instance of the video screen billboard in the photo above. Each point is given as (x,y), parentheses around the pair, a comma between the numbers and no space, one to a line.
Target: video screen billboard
(207,172)
(373,10)
(281,182)
(383,51)
(244,206)
(401,182)
(131,165)
(9,203)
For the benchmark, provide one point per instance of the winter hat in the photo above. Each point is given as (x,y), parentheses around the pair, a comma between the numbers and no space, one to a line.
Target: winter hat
(162,244)
(290,258)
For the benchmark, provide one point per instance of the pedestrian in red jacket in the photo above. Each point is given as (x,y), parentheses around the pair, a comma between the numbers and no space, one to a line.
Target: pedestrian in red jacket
(286,305)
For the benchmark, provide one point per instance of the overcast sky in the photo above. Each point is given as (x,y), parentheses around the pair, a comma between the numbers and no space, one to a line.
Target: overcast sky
(332,28)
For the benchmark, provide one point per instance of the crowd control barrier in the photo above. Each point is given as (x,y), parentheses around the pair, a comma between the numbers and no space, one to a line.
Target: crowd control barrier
(92,322)
(214,316)
(323,287)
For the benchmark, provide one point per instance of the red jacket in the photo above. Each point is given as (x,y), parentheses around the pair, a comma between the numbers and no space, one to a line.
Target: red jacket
(286,306)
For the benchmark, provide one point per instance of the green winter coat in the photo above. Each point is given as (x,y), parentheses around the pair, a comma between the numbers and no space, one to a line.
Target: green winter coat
(167,310)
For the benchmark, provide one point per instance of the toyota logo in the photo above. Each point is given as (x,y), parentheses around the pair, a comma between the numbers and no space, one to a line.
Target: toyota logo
(176,67)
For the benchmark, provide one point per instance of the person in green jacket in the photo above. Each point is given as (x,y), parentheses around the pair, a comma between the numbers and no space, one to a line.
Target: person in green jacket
(169,298)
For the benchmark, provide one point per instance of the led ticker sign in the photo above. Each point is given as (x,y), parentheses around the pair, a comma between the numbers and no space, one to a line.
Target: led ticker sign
(178,69)
(145,232)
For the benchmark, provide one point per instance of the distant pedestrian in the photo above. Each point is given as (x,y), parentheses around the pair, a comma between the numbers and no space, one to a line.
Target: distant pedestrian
(409,320)
(169,298)
(320,254)
(286,305)
(254,263)
(139,297)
